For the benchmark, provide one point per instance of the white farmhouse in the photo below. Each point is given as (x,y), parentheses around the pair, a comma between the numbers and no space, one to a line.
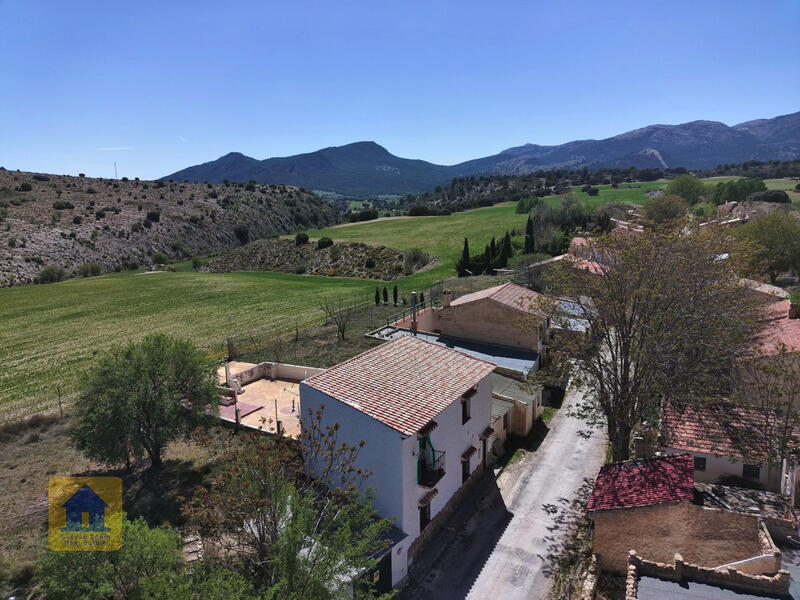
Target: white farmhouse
(424,413)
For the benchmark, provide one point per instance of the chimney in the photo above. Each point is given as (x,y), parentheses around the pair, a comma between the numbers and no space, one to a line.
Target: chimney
(414,312)
(446,294)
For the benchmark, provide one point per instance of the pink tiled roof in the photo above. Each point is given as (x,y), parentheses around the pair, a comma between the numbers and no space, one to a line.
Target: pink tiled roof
(510,294)
(643,482)
(779,329)
(404,383)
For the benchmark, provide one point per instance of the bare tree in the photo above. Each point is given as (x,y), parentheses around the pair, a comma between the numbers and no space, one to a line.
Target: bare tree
(341,312)
(665,320)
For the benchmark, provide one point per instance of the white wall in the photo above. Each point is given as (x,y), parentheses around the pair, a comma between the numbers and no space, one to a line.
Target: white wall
(454,438)
(721,466)
(380,454)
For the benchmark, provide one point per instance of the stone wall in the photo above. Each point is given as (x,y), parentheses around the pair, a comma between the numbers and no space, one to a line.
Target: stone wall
(707,537)
(678,570)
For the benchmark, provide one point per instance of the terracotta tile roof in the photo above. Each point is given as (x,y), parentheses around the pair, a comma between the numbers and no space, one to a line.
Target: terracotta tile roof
(404,383)
(509,294)
(779,329)
(695,430)
(467,454)
(426,499)
(644,482)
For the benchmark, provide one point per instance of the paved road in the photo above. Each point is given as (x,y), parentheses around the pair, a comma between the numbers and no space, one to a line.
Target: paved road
(500,544)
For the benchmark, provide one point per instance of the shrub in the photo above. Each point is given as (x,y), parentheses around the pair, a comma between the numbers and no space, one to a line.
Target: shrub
(324,242)
(154,216)
(39,177)
(136,227)
(300,269)
(301,238)
(593,191)
(51,274)
(242,234)
(197,262)
(212,194)
(63,205)
(418,210)
(159,258)
(370,264)
(25,187)
(250,187)
(91,190)
(147,223)
(416,257)
(100,214)
(3,213)
(91,269)
(364,215)
(778,196)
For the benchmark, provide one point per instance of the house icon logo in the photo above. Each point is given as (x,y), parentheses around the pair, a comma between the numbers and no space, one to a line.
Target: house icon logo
(85,502)
(85,514)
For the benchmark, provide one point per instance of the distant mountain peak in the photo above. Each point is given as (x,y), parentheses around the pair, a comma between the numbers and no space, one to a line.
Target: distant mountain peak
(365,168)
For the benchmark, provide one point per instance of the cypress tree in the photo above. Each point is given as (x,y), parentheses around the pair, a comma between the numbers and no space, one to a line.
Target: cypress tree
(530,246)
(377,296)
(385,295)
(487,260)
(422,298)
(463,267)
(493,248)
(394,295)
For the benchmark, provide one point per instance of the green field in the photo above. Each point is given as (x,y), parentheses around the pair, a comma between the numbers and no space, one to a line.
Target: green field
(49,333)
(442,237)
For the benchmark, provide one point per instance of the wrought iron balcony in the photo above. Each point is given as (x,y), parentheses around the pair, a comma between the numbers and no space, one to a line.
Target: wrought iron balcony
(430,467)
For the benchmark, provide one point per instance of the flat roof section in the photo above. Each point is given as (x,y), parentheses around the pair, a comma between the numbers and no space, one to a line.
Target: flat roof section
(512,388)
(511,359)
(651,588)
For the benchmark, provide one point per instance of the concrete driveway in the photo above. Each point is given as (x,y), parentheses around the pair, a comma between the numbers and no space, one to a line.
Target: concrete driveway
(502,542)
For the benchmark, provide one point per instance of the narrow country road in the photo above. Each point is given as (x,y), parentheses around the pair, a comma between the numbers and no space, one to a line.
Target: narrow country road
(501,543)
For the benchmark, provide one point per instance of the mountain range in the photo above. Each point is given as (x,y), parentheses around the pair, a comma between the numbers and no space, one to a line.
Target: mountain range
(363,169)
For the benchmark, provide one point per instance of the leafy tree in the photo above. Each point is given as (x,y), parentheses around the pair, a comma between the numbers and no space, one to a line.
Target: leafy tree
(284,530)
(464,265)
(530,245)
(666,320)
(774,242)
(242,234)
(140,397)
(735,190)
(778,196)
(663,209)
(687,187)
(160,258)
(301,238)
(146,553)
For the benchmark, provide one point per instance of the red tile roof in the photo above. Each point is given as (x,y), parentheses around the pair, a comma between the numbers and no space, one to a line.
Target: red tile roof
(644,482)
(695,430)
(779,330)
(404,383)
(509,294)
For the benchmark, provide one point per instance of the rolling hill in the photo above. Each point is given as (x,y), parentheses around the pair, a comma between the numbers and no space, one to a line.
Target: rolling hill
(363,169)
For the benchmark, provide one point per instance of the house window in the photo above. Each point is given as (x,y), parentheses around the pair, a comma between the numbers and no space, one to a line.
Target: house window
(464,410)
(699,463)
(464,471)
(424,516)
(751,472)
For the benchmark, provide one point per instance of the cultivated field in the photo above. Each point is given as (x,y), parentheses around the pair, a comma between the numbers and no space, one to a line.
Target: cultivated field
(49,333)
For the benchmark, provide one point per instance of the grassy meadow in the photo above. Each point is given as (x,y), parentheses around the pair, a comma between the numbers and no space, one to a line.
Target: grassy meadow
(50,333)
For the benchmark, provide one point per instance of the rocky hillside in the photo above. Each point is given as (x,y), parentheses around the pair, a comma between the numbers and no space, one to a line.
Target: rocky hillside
(342,259)
(71,221)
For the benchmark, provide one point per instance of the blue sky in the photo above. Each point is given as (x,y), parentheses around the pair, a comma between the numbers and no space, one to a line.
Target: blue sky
(158,86)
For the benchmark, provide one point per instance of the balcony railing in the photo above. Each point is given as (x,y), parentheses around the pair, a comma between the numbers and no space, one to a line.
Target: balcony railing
(430,467)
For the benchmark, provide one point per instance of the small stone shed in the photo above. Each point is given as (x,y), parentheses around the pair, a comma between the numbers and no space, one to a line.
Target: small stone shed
(647,505)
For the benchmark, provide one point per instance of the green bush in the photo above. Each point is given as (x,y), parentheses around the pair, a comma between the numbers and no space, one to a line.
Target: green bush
(154,216)
(370,264)
(301,238)
(300,269)
(242,234)
(91,269)
(197,262)
(77,219)
(778,196)
(63,205)
(324,242)
(51,274)
(91,190)
(159,258)
(25,187)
